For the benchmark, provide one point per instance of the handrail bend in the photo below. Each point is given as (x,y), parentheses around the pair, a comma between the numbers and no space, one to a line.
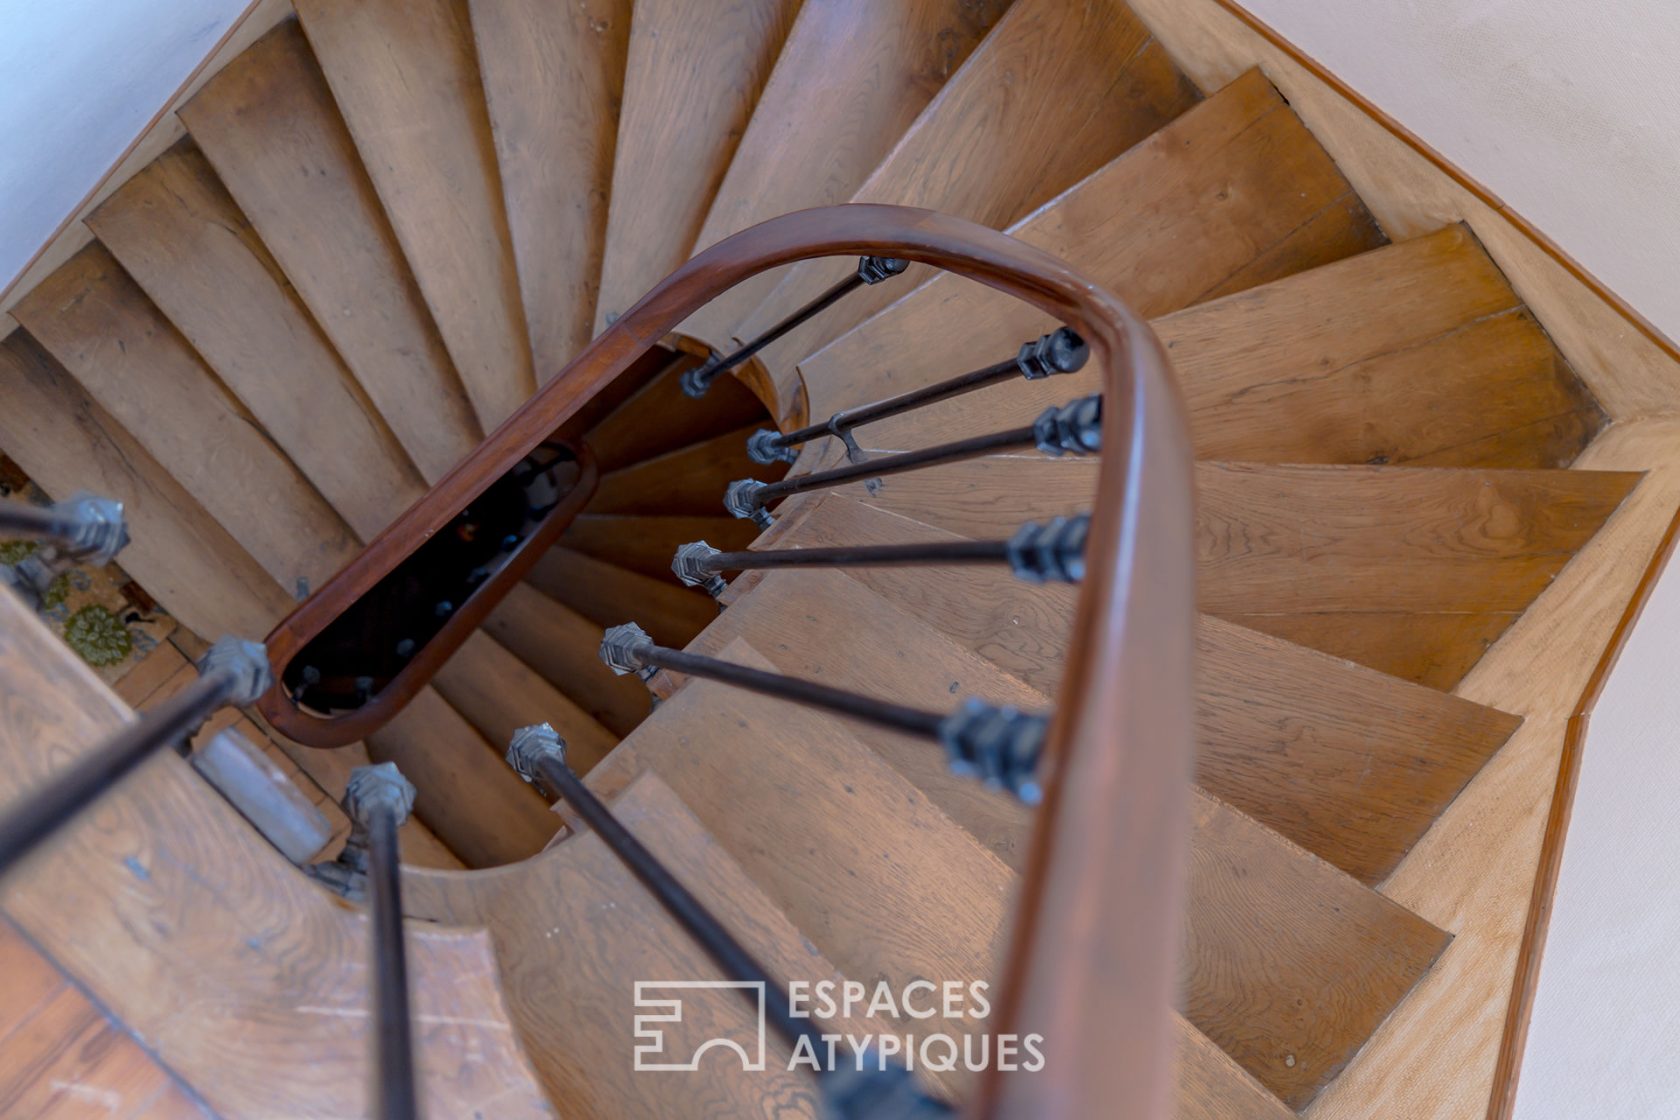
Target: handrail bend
(1093,962)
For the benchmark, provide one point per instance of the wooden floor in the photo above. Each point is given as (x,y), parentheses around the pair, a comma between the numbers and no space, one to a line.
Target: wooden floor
(61,1057)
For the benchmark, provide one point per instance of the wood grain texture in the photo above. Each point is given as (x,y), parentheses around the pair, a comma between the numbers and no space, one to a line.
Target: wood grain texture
(1348,763)
(574,931)
(467,796)
(498,694)
(1413,190)
(689,480)
(60,1057)
(1238,178)
(607,595)
(178,552)
(269,126)
(405,75)
(1344,544)
(1054,92)
(1429,649)
(689,90)
(659,417)
(851,78)
(101,328)
(564,647)
(554,80)
(1272,928)
(646,545)
(175,230)
(200,938)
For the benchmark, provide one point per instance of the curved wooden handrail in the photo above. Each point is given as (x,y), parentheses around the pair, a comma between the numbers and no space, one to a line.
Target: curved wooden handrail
(316,613)
(1093,964)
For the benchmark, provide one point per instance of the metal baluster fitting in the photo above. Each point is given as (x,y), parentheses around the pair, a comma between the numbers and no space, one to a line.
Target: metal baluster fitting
(690,567)
(621,650)
(742,500)
(1060,351)
(85,526)
(766,446)
(1075,427)
(1000,746)
(531,746)
(873,270)
(1051,552)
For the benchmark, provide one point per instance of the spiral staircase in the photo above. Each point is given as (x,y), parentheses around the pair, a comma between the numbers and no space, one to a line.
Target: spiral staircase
(394,222)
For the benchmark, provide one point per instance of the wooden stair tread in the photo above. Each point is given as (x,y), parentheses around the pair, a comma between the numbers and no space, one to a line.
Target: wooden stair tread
(1238,177)
(659,417)
(268,124)
(607,595)
(466,795)
(101,328)
(564,647)
(814,143)
(553,80)
(405,76)
(1385,543)
(1270,924)
(573,928)
(174,229)
(1211,1086)
(1349,763)
(646,544)
(178,552)
(688,480)
(689,89)
(1053,92)
(499,694)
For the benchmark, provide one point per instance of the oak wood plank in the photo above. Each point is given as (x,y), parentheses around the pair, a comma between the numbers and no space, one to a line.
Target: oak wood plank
(607,595)
(553,80)
(178,552)
(176,231)
(101,328)
(498,694)
(564,647)
(1053,93)
(689,90)
(467,795)
(660,417)
(405,75)
(199,937)
(688,480)
(647,544)
(1231,187)
(269,126)
(813,143)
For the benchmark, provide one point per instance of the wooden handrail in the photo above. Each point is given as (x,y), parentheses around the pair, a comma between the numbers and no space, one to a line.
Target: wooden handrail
(1094,961)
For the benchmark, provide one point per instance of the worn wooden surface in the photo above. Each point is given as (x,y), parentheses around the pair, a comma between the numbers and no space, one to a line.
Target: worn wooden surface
(270,127)
(564,646)
(101,328)
(660,417)
(209,946)
(647,544)
(689,89)
(498,693)
(687,480)
(1054,92)
(849,81)
(554,80)
(1238,177)
(405,75)
(178,552)
(176,231)
(607,595)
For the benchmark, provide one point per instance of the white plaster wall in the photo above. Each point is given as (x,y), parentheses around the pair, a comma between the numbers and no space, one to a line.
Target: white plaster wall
(79,80)
(1568,110)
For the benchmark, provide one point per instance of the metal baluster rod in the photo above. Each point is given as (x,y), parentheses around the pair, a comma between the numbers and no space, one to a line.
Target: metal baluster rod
(378,800)
(538,755)
(1074,428)
(870,270)
(232,672)
(999,745)
(1061,351)
(87,527)
(1037,553)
